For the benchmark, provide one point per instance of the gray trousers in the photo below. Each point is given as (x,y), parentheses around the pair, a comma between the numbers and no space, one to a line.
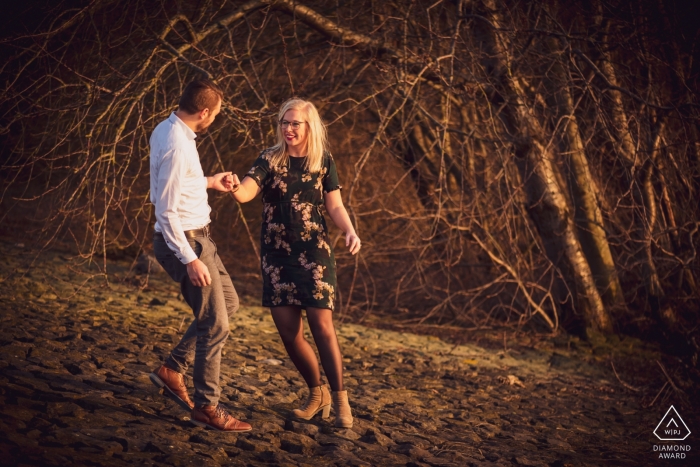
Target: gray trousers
(212,306)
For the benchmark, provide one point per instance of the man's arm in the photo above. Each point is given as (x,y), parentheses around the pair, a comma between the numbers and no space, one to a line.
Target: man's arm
(170,175)
(198,273)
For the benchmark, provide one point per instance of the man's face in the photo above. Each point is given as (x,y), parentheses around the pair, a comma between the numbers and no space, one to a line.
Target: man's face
(208,119)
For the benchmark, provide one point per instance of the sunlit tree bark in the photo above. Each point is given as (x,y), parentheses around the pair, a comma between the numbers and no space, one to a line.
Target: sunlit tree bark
(590,225)
(547,203)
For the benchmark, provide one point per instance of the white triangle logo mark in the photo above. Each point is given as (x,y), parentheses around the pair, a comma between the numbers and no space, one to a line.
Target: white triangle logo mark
(672,427)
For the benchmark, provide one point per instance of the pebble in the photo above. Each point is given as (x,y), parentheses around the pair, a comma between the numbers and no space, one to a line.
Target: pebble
(271,361)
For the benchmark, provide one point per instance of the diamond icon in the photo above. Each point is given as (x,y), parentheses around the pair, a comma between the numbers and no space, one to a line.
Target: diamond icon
(672,427)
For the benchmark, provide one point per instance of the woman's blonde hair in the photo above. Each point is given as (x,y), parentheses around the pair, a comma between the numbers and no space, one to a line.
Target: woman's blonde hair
(316,140)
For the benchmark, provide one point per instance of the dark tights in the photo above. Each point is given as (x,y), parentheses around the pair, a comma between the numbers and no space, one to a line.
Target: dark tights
(291,328)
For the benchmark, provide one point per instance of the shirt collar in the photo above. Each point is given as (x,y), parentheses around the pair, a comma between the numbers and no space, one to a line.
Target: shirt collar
(175,120)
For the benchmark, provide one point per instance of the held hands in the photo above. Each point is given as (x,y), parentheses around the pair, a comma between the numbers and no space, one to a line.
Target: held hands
(352,241)
(235,183)
(198,273)
(223,181)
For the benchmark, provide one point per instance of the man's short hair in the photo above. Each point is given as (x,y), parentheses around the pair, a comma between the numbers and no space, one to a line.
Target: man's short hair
(200,94)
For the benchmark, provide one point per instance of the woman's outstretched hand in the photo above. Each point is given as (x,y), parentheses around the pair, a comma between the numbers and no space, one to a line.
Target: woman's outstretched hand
(352,241)
(235,183)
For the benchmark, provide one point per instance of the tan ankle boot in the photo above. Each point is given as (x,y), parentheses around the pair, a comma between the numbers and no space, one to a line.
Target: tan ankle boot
(319,400)
(343,417)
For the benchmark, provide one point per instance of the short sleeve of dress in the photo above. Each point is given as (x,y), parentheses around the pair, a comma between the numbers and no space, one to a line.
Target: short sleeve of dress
(330,178)
(260,169)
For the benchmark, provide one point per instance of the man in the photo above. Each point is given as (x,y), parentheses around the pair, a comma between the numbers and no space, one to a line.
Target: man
(184,248)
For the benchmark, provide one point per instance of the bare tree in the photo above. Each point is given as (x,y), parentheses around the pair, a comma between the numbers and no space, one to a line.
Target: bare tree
(506,163)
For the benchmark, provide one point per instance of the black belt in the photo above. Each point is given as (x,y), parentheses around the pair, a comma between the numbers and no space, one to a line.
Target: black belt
(203,232)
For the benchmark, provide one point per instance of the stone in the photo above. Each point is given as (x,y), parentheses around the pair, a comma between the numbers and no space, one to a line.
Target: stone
(416,441)
(217,454)
(558,442)
(268,427)
(439,462)
(297,443)
(303,428)
(329,440)
(338,454)
(64,409)
(276,458)
(271,361)
(523,460)
(374,436)
(410,451)
(347,433)
(254,445)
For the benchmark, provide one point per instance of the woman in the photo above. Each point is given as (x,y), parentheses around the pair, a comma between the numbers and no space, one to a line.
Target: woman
(297,177)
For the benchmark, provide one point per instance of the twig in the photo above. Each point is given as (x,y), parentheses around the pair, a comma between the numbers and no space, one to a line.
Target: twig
(177,54)
(657,396)
(667,376)
(631,388)
(634,96)
(161,328)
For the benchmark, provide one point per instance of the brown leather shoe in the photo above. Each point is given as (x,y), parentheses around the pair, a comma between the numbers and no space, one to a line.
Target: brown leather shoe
(173,384)
(217,418)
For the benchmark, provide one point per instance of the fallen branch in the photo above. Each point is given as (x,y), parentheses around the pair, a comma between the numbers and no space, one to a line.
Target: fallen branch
(659,393)
(668,377)
(630,387)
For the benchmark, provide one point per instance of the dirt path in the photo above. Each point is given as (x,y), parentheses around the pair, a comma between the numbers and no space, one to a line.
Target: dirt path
(74,390)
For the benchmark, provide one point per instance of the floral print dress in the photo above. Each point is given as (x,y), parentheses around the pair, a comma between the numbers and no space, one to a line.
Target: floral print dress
(298,266)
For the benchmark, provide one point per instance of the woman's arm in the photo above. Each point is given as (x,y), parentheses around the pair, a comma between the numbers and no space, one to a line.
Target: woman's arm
(246,190)
(335,208)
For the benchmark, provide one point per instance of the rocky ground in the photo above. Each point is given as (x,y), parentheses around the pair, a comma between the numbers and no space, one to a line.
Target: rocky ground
(76,349)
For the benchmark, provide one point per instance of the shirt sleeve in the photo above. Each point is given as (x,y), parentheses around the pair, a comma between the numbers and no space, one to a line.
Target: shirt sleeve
(260,170)
(172,171)
(330,178)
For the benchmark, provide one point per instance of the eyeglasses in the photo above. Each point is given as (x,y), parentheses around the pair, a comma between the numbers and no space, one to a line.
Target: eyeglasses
(295,125)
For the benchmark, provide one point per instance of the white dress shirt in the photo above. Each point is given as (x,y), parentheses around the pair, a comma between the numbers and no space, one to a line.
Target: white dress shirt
(178,185)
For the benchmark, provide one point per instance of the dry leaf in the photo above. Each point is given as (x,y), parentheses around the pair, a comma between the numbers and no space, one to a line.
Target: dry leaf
(511,380)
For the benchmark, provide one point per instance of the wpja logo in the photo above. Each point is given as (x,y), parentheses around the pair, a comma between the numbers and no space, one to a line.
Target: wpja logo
(672,428)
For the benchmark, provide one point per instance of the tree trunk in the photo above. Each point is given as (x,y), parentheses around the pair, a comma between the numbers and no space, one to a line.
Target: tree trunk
(546,202)
(588,216)
(638,174)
